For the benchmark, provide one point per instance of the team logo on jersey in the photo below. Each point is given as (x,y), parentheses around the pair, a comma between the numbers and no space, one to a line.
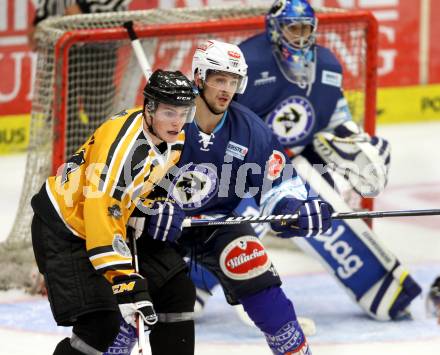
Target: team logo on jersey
(115,211)
(292,120)
(73,164)
(120,247)
(276,164)
(194,186)
(244,258)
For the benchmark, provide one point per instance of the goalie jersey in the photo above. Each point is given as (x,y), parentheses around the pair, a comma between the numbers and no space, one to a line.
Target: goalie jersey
(240,158)
(295,114)
(95,191)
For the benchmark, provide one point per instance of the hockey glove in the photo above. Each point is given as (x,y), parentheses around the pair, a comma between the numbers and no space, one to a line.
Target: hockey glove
(314,217)
(166,222)
(133,298)
(363,160)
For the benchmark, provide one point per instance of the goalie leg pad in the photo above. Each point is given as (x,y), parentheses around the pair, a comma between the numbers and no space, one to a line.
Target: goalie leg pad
(367,270)
(391,295)
(273,313)
(381,289)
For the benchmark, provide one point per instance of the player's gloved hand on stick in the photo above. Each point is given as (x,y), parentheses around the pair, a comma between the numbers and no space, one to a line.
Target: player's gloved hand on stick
(314,217)
(161,220)
(165,223)
(133,299)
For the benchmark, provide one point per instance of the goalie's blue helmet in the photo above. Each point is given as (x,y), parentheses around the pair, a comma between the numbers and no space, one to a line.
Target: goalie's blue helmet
(285,13)
(294,53)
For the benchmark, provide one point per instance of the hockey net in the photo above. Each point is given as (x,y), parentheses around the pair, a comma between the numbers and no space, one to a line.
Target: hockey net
(87,71)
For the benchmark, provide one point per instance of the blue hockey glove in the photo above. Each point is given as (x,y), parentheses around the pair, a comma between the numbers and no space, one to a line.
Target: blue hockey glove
(165,223)
(314,217)
(133,298)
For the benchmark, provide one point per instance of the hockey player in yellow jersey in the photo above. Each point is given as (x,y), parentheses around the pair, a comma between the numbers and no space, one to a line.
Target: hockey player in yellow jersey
(79,226)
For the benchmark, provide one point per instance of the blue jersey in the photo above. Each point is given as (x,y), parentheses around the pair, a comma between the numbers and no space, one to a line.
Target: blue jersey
(294,114)
(240,158)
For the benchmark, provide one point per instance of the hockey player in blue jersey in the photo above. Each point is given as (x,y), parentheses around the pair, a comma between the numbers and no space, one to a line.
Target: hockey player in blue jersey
(298,84)
(230,153)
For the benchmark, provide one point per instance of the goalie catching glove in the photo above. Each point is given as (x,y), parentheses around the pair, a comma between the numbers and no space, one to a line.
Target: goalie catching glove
(361,159)
(314,218)
(133,299)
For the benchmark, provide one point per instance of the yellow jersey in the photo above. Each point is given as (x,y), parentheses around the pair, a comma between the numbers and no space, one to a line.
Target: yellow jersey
(97,189)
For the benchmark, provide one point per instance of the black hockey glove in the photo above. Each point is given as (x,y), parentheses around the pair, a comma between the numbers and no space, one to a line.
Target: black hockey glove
(133,298)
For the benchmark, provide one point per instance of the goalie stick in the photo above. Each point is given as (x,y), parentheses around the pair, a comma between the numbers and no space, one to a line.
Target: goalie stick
(190,222)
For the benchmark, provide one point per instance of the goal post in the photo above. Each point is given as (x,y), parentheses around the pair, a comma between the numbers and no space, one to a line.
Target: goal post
(87,71)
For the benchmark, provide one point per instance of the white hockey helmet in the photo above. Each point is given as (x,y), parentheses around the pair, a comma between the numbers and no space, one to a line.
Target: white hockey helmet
(220,56)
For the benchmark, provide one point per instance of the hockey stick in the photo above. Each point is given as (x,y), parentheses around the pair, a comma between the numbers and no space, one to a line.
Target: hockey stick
(138,50)
(146,69)
(139,322)
(189,222)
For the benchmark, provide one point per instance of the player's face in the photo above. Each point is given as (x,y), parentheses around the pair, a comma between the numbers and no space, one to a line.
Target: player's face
(297,34)
(219,89)
(168,121)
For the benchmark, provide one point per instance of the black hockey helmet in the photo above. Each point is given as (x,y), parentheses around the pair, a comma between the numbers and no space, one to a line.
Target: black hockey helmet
(170,87)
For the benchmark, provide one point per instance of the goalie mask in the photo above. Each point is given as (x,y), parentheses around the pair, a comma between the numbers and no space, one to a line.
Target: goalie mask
(216,56)
(291,28)
(172,88)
